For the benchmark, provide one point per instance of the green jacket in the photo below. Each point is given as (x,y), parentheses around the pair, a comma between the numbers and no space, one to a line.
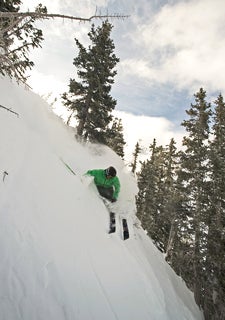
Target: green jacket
(101,180)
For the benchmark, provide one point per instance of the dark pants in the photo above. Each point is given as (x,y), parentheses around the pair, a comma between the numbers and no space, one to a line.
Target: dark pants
(106,192)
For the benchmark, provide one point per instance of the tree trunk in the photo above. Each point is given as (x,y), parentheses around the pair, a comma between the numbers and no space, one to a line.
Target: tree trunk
(171,239)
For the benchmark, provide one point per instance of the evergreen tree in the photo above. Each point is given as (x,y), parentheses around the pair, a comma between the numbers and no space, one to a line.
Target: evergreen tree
(181,255)
(8,6)
(17,36)
(114,137)
(180,249)
(195,178)
(171,199)
(181,203)
(151,193)
(158,199)
(214,300)
(90,98)
(136,153)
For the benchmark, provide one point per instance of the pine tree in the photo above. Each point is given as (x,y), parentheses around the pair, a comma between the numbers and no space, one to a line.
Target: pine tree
(214,300)
(172,197)
(90,98)
(8,6)
(17,36)
(151,193)
(136,153)
(180,244)
(179,250)
(114,137)
(195,179)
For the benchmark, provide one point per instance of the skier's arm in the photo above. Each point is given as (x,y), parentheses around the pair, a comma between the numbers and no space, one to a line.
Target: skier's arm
(91,173)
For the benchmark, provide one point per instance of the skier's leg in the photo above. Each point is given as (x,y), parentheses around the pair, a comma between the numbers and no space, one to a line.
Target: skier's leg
(108,193)
(105,192)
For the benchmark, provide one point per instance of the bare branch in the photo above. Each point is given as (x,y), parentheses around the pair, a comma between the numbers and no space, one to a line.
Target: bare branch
(14,60)
(38,15)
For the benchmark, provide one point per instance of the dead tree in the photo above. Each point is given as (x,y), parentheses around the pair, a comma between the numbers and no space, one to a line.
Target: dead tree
(19,26)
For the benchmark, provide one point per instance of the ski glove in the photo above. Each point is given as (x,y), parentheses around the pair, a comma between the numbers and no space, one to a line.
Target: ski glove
(113,200)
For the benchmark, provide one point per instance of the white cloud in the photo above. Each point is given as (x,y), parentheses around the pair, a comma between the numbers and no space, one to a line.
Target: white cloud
(183,44)
(144,129)
(177,44)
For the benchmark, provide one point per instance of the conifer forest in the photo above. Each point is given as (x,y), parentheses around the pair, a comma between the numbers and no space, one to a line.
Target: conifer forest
(181,203)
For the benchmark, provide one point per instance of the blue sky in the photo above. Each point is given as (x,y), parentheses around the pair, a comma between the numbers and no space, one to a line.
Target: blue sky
(167,50)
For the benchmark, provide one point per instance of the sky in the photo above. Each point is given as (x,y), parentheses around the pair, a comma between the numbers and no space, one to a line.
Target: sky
(58,261)
(167,50)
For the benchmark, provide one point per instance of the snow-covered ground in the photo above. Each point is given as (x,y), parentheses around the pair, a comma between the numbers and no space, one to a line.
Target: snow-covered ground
(57,259)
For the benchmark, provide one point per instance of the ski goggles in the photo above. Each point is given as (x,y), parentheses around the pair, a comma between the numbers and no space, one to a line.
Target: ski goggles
(107,173)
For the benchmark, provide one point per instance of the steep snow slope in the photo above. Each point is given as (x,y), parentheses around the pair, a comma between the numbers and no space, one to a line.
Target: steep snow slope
(57,260)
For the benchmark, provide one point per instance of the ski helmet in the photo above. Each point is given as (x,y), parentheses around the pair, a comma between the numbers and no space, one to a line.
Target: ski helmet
(111,171)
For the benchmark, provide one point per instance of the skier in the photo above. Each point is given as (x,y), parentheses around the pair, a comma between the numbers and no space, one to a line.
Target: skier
(107,182)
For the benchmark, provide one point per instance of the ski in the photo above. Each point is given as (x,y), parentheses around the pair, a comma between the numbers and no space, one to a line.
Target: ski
(125,229)
(112,222)
(68,167)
